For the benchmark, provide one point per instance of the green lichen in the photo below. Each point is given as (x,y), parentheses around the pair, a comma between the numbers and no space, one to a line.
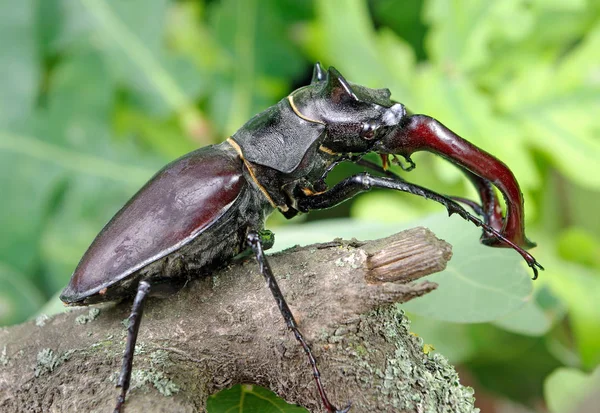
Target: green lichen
(41,320)
(141,379)
(159,358)
(47,361)
(409,380)
(100,345)
(140,348)
(3,357)
(89,317)
(361,351)
(164,385)
(352,260)
(437,379)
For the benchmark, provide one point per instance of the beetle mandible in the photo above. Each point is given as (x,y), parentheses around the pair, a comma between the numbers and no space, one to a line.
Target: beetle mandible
(210,205)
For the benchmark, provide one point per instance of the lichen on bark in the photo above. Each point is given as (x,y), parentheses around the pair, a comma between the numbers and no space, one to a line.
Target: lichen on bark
(226,329)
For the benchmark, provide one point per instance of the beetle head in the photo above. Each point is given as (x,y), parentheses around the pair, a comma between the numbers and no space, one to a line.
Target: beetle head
(355,116)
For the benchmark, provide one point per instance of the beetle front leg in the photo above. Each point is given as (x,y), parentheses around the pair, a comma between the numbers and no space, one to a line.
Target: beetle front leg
(135,319)
(254,241)
(489,209)
(362,182)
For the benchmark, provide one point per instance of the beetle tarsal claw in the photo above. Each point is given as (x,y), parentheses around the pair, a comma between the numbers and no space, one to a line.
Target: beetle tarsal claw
(411,164)
(345,409)
(279,160)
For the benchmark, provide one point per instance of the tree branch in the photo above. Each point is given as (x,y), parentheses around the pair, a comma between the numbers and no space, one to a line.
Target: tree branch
(226,329)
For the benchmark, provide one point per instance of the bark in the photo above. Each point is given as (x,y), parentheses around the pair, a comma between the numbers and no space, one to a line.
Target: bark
(226,329)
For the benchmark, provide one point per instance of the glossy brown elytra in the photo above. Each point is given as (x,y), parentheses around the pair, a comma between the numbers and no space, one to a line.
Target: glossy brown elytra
(210,205)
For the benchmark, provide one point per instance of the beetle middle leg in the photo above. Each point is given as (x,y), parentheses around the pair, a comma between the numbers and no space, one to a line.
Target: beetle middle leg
(362,182)
(135,319)
(254,241)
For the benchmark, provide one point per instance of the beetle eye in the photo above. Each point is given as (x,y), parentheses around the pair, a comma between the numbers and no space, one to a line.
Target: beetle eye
(368,131)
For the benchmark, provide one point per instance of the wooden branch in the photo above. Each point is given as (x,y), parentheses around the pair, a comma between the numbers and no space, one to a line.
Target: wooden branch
(226,329)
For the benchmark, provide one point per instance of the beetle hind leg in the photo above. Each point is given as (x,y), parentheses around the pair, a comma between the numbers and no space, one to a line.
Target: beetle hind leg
(254,241)
(135,319)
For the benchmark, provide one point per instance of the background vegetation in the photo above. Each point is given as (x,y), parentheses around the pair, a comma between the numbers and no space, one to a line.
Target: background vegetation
(96,95)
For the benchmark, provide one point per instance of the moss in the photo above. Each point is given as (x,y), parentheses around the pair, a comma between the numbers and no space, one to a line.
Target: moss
(89,317)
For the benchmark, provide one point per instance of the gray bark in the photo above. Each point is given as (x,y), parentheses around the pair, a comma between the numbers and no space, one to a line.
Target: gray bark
(226,329)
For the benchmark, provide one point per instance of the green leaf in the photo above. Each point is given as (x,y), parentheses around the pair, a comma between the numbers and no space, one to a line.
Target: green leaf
(390,207)
(131,32)
(77,122)
(579,288)
(19,72)
(18,296)
(61,175)
(566,389)
(453,340)
(579,245)
(362,55)
(26,190)
(246,398)
(479,284)
(457,102)
(262,54)
(407,24)
(528,320)
(462,31)
(555,110)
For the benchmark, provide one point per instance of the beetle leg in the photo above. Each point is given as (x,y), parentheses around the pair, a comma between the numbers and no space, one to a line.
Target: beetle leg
(490,209)
(135,319)
(478,209)
(255,243)
(423,133)
(362,182)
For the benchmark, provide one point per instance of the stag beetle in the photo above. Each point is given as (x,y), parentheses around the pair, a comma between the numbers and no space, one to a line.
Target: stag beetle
(210,205)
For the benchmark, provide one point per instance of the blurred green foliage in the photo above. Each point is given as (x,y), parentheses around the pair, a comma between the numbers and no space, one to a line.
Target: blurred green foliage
(249,398)
(96,95)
